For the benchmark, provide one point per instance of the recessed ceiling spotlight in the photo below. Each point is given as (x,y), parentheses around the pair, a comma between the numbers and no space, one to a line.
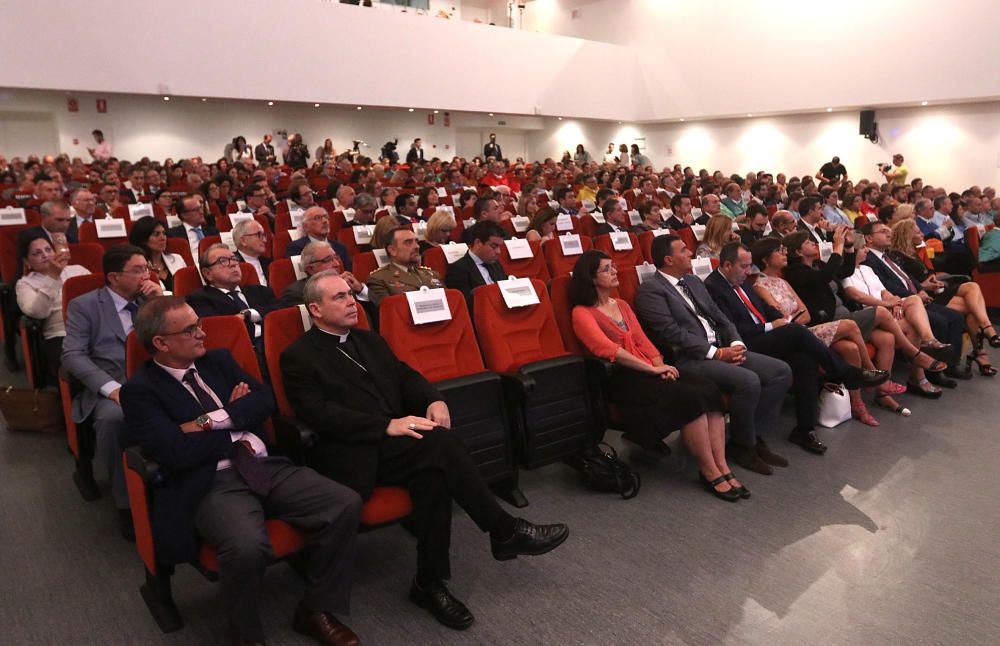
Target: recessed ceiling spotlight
(359,107)
(560,118)
(166,98)
(436,111)
(315,105)
(682,118)
(270,102)
(749,115)
(923,103)
(203,100)
(411,109)
(829,109)
(491,114)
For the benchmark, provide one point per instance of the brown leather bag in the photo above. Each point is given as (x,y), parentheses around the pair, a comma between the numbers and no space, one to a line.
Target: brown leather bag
(25,409)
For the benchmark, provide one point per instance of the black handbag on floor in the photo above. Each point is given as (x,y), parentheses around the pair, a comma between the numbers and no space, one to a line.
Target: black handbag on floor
(603,471)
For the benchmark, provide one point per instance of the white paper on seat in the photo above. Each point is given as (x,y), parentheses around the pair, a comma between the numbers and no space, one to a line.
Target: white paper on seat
(137,211)
(660,232)
(696,212)
(468,224)
(300,273)
(518,248)
(227,239)
(571,245)
(173,221)
(666,214)
(564,222)
(295,234)
(620,241)
(236,218)
(111,228)
(454,250)
(644,271)
(296,217)
(363,233)
(456,198)
(428,305)
(518,292)
(553,204)
(701,267)
(307,321)
(241,204)
(598,217)
(450,210)
(12,215)
(825,250)
(589,205)
(349,215)
(698,230)
(634,217)
(442,191)
(420,228)
(520,223)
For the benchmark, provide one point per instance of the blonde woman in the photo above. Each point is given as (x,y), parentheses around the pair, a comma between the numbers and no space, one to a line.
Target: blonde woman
(718,232)
(438,231)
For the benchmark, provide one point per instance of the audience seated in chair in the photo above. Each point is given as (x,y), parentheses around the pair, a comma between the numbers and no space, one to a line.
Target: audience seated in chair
(317,257)
(251,242)
(192,227)
(150,235)
(479,266)
(316,228)
(404,272)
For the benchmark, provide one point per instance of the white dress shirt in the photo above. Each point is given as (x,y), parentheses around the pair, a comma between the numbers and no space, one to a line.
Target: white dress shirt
(220,418)
(193,239)
(482,268)
(126,321)
(864,280)
(254,261)
(255,316)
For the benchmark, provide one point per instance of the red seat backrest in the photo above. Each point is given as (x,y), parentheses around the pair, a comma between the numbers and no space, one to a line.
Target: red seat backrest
(79,285)
(281,274)
(533,267)
(623,259)
(628,283)
(563,312)
(363,264)
(438,351)
(346,237)
(435,259)
(187,281)
(972,240)
(183,247)
(280,246)
(87,254)
(687,235)
(558,263)
(646,244)
(588,225)
(88,233)
(512,338)
(8,251)
(207,242)
(281,329)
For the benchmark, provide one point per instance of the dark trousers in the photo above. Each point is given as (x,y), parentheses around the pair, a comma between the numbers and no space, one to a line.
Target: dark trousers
(231,517)
(435,470)
(806,354)
(948,326)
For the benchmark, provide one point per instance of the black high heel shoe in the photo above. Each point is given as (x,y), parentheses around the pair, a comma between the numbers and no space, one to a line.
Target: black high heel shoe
(985,369)
(935,366)
(730,495)
(994,340)
(742,490)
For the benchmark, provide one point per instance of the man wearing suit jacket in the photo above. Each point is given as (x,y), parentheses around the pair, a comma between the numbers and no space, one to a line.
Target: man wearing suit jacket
(83,207)
(615,218)
(264,151)
(132,193)
(192,227)
(97,324)
(381,423)
(682,217)
(767,331)
(480,265)
(416,152)
(947,324)
(199,415)
(683,321)
(55,218)
(250,239)
(812,219)
(223,295)
(316,228)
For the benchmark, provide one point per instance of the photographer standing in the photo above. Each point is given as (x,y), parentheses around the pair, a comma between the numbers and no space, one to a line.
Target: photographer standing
(832,171)
(895,175)
(298,153)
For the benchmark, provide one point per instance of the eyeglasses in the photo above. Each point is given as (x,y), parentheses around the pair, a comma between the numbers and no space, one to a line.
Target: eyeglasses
(324,261)
(610,269)
(259,234)
(225,261)
(136,271)
(319,218)
(189,331)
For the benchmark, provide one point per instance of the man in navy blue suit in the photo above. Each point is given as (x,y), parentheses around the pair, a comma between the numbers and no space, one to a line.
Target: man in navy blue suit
(316,227)
(199,416)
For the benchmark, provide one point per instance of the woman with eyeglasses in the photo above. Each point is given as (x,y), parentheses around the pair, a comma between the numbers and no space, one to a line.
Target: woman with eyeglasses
(654,399)
(39,292)
(150,235)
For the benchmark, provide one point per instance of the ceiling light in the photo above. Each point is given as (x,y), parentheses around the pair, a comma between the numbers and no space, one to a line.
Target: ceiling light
(436,111)
(166,98)
(411,109)
(359,107)
(203,100)
(829,109)
(270,102)
(749,115)
(315,105)
(560,118)
(923,103)
(682,118)
(491,114)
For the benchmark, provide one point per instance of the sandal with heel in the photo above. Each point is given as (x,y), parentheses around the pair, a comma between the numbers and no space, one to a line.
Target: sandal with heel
(860,412)
(994,340)
(985,369)
(935,365)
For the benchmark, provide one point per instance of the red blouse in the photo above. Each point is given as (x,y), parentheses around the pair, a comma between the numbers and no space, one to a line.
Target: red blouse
(603,337)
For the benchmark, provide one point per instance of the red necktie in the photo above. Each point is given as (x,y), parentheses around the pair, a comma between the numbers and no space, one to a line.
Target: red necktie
(746,301)
(900,273)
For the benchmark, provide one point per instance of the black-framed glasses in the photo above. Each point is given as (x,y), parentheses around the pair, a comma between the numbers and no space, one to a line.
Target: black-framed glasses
(225,261)
(259,234)
(189,331)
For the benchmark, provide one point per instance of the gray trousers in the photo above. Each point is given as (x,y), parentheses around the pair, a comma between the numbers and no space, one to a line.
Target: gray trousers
(231,517)
(109,427)
(756,389)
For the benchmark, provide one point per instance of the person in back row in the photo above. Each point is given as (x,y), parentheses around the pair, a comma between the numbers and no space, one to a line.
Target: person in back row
(381,423)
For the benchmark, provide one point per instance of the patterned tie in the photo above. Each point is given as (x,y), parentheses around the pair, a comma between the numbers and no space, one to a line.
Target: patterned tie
(902,275)
(697,309)
(132,308)
(207,403)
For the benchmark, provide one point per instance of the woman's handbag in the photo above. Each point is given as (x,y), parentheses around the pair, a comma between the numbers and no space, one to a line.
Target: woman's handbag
(834,406)
(602,470)
(24,409)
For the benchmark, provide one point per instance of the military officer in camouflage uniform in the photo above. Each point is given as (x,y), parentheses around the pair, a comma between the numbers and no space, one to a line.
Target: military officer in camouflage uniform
(403,273)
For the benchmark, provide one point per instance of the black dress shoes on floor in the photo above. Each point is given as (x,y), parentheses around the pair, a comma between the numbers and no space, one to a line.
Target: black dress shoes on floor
(436,598)
(807,441)
(939,379)
(748,458)
(529,539)
(767,455)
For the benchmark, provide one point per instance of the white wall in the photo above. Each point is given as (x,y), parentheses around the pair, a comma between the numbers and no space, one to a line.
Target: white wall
(954,146)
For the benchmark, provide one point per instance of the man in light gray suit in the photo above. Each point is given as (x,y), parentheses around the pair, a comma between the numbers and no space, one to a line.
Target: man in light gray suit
(681,319)
(97,324)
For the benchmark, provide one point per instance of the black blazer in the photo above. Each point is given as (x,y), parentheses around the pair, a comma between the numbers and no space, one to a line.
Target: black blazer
(155,405)
(465,276)
(675,224)
(210,301)
(295,248)
(262,152)
(347,407)
(180,232)
(735,309)
(817,237)
(606,228)
(265,263)
(414,155)
(812,284)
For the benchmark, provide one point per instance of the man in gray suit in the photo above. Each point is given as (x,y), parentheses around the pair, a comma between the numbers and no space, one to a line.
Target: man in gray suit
(97,324)
(317,257)
(681,319)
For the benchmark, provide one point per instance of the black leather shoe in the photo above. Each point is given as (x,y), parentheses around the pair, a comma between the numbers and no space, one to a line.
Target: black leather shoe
(446,608)
(769,456)
(939,379)
(747,457)
(729,495)
(125,525)
(855,378)
(807,441)
(742,490)
(529,539)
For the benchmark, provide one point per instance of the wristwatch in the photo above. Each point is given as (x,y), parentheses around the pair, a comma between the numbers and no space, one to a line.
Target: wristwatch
(204,421)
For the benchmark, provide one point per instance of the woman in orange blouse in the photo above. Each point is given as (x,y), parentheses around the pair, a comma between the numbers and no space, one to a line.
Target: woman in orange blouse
(654,400)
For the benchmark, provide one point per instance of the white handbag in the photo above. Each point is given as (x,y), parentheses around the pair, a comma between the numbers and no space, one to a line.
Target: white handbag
(834,406)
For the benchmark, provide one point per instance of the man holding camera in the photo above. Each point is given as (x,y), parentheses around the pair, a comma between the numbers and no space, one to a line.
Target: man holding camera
(895,175)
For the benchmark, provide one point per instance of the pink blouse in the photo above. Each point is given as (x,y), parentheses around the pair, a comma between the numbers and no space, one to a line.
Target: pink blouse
(603,337)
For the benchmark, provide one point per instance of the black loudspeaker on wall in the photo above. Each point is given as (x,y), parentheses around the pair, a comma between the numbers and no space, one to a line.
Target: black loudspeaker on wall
(868,128)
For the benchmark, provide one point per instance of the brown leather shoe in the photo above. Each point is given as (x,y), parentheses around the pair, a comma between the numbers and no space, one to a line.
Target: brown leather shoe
(746,457)
(768,456)
(323,627)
